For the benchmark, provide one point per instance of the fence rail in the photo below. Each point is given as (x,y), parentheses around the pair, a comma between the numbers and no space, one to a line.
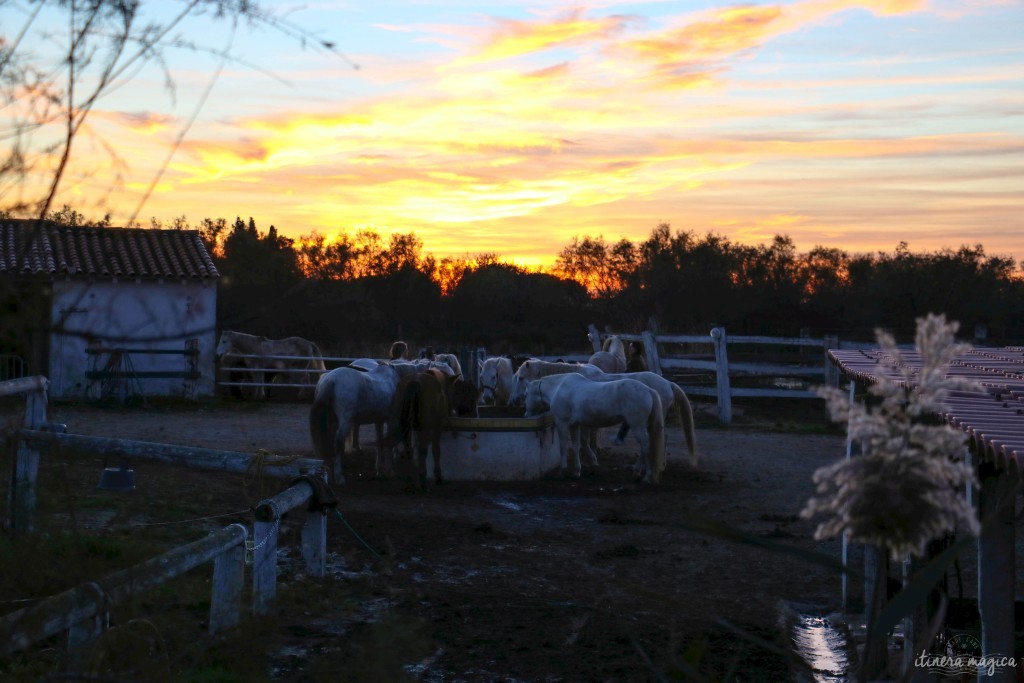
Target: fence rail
(82,611)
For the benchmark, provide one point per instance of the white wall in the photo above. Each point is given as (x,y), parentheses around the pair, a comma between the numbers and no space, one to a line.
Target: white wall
(132,315)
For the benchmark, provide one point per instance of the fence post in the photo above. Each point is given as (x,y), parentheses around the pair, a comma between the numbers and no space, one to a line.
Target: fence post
(264,562)
(314,540)
(722,375)
(651,351)
(831,369)
(228,581)
(594,335)
(21,497)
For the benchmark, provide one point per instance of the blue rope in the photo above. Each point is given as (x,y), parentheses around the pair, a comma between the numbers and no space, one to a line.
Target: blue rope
(358,537)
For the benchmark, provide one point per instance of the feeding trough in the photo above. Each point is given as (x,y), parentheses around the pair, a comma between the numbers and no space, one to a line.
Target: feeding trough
(499,445)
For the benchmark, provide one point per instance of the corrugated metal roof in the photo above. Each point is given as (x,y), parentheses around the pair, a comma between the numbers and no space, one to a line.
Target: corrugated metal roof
(993,417)
(27,248)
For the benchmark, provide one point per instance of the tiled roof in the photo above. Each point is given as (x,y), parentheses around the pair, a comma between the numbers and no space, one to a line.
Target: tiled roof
(992,416)
(27,248)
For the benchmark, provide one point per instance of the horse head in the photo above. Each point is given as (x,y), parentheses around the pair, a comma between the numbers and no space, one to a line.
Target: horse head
(535,401)
(223,344)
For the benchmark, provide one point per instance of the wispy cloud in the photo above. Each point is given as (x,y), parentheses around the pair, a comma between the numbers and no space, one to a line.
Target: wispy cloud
(742,118)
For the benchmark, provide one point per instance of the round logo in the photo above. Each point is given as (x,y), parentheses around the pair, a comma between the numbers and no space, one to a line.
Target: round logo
(963,645)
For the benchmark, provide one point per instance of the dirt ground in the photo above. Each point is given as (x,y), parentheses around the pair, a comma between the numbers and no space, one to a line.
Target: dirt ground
(596,579)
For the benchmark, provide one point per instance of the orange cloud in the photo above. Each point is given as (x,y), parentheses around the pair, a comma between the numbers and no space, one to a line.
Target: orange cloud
(690,54)
(724,32)
(513,38)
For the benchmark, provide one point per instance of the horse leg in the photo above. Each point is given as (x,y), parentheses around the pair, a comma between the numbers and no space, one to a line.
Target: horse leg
(574,432)
(644,469)
(354,437)
(385,454)
(435,447)
(587,445)
(334,473)
(563,444)
(422,443)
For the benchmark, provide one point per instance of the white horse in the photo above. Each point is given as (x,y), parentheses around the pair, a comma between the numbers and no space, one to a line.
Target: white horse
(611,357)
(535,369)
(496,379)
(345,398)
(451,360)
(306,369)
(673,399)
(578,403)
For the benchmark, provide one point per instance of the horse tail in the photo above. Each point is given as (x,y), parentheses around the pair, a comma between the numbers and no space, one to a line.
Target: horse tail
(321,421)
(408,412)
(656,435)
(682,405)
(317,362)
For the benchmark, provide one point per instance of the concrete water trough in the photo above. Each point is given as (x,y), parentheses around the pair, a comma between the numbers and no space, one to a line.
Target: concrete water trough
(499,445)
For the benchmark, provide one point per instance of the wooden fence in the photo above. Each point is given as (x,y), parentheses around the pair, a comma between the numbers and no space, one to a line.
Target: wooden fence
(788,379)
(83,611)
(807,364)
(112,372)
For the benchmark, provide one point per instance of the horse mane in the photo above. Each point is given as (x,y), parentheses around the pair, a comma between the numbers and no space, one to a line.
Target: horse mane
(544,368)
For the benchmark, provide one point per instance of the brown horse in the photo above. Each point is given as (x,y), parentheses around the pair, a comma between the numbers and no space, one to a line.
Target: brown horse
(240,348)
(420,409)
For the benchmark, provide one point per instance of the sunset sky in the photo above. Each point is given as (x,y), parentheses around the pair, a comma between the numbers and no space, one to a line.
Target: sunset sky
(512,127)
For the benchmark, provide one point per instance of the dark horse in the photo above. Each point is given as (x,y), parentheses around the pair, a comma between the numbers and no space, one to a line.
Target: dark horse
(420,409)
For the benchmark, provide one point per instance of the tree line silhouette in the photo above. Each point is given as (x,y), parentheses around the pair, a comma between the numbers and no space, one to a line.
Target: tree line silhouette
(360,291)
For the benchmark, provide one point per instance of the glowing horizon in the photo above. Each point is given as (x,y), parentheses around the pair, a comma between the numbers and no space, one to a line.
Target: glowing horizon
(511,128)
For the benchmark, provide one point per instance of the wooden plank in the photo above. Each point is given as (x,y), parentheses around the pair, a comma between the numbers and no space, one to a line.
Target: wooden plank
(92,351)
(778,341)
(23,385)
(277,371)
(199,458)
(683,339)
(670,363)
(780,370)
(775,393)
